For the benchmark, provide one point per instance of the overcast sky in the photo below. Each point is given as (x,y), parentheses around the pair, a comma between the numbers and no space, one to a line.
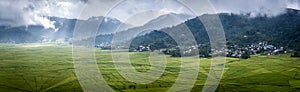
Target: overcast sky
(31,12)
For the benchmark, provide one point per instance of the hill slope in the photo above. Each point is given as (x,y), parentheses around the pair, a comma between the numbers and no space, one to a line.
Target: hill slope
(281,30)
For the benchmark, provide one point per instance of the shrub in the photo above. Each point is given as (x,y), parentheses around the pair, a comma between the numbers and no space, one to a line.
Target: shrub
(245,55)
(296,54)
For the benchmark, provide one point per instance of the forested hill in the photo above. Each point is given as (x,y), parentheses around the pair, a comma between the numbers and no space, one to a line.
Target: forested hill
(281,30)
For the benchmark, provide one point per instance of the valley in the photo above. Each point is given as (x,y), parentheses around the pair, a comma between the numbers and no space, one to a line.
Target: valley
(49,67)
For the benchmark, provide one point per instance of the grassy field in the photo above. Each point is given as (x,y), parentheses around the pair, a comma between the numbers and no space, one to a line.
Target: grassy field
(49,67)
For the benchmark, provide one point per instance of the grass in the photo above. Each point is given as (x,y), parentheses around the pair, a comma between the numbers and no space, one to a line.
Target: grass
(49,67)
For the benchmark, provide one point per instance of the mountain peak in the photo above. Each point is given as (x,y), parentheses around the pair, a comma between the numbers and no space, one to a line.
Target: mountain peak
(289,10)
(169,19)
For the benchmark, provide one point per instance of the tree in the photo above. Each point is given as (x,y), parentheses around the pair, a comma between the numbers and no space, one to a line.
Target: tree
(245,55)
(296,54)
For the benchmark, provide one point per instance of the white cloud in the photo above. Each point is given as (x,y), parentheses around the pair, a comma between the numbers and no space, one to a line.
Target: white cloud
(269,7)
(58,8)
(31,12)
(145,10)
(294,4)
(35,12)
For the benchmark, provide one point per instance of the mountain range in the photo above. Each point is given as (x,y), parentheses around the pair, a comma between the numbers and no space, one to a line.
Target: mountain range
(64,28)
(240,29)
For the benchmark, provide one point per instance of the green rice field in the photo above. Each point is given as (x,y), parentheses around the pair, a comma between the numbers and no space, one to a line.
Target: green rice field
(49,67)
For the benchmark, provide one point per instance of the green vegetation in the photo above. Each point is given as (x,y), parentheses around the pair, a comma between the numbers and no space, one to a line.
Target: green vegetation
(296,54)
(49,67)
(36,67)
(282,30)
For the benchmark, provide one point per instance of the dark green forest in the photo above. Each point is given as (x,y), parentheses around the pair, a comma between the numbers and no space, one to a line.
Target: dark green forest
(282,30)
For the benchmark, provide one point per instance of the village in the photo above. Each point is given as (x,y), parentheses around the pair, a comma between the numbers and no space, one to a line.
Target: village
(234,51)
(262,48)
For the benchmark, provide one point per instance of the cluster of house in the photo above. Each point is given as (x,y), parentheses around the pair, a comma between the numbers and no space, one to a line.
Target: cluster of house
(234,51)
(141,48)
(262,48)
(107,46)
(104,46)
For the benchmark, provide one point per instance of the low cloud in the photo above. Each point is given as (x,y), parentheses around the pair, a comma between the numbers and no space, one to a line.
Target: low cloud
(294,4)
(145,10)
(255,7)
(34,12)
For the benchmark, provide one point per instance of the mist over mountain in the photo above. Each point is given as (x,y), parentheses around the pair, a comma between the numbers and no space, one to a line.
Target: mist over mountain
(242,29)
(163,21)
(107,25)
(64,29)
(24,34)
